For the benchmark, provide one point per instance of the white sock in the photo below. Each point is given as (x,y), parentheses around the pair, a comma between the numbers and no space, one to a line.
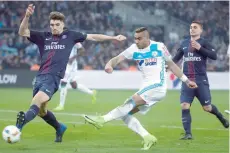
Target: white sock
(63,94)
(133,123)
(83,88)
(120,111)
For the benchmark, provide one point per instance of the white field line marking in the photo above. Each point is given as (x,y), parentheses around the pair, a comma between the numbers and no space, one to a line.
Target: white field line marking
(81,123)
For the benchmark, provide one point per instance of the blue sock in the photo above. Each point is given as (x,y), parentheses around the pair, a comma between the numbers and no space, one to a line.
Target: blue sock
(31,113)
(51,120)
(216,112)
(186,120)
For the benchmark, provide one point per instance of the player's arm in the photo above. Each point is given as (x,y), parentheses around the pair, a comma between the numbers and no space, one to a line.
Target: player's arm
(178,55)
(207,50)
(127,54)
(23,29)
(100,37)
(113,63)
(177,71)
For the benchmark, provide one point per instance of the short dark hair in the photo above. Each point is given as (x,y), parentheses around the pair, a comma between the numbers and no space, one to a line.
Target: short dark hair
(57,16)
(198,22)
(141,29)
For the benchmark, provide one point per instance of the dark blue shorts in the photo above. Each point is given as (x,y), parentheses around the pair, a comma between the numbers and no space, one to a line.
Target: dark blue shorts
(202,93)
(47,83)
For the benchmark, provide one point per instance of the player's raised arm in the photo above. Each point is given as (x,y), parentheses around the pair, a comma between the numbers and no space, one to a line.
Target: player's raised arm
(113,62)
(100,37)
(23,29)
(126,54)
(206,50)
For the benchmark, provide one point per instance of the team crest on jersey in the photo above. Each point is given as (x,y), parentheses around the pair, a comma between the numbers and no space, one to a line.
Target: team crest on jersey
(154,54)
(64,37)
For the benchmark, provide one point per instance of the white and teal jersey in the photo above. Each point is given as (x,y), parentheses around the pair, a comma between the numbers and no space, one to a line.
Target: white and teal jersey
(74,53)
(151,63)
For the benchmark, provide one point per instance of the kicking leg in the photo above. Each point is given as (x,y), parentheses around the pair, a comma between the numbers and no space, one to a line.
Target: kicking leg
(116,113)
(38,100)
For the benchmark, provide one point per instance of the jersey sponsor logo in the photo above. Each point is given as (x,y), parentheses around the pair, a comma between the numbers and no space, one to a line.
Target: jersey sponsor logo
(54,45)
(150,61)
(191,57)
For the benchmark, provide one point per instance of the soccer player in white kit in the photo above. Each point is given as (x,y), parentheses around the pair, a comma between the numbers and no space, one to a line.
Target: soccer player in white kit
(151,58)
(71,78)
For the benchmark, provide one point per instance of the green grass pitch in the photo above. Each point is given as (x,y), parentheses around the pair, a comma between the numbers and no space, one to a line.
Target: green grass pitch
(163,121)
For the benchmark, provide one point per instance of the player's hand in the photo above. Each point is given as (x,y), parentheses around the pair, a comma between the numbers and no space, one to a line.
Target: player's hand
(108,68)
(30,10)
(195,44)
(120,37)
(191,84)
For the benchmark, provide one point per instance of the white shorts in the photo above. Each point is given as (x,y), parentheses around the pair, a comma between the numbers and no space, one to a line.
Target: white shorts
(151,96)
(70,73)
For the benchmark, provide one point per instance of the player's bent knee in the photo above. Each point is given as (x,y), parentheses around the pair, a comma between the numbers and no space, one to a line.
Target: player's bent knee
(73,84)
(138,100)
(134,111)
(42,113)
(43,110)
(207,108)
(185,105)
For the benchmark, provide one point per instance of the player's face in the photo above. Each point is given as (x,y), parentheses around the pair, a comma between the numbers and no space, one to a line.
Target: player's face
(141,40)
(195,29)
(56,27)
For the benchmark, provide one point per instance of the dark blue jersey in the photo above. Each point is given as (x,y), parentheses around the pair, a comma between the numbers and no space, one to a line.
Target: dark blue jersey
(55,50)
(194,61)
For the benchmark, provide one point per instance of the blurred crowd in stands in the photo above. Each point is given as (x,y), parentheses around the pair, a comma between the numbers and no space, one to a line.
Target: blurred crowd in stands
(97,17)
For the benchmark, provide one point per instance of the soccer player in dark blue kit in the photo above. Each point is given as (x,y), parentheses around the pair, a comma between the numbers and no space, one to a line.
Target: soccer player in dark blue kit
(195,51)
(54,48)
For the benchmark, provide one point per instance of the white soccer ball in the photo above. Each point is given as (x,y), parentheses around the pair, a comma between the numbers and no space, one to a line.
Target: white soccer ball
(11,134)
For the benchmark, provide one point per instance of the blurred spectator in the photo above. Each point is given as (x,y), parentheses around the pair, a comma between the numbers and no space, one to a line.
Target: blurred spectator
(97,16)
